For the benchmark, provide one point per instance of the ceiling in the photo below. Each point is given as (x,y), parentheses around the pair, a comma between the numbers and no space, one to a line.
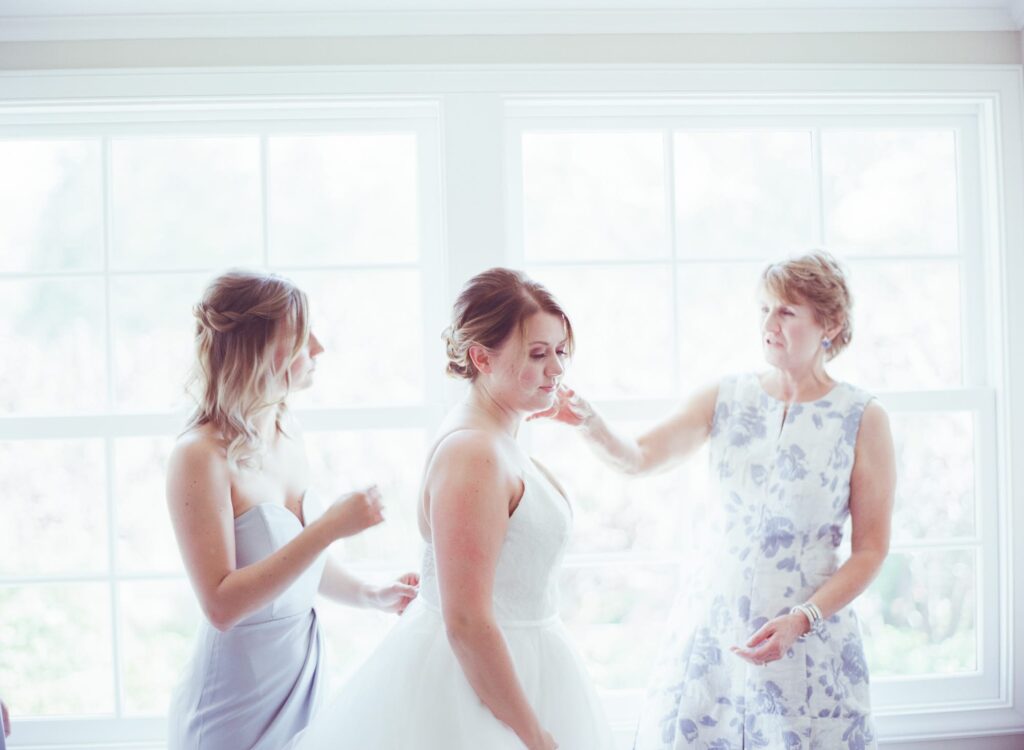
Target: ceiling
(26,20)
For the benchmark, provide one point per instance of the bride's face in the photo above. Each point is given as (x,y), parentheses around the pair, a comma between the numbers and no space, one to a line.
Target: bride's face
(525,371)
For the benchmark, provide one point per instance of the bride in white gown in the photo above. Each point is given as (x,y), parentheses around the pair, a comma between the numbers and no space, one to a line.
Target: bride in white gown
(481,660)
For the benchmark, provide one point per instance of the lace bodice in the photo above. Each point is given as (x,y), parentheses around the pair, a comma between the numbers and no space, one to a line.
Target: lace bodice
(526,577)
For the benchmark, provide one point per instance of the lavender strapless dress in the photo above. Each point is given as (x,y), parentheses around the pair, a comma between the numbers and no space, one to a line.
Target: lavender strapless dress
(257,685)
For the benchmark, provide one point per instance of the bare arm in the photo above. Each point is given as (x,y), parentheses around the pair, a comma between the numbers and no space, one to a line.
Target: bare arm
(469,493)
(339,585)
(199,501)
(872,490)
(872,493)
(668,442)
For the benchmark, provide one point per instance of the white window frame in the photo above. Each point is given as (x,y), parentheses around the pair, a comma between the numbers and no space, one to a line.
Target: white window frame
(889,695)
(476,228)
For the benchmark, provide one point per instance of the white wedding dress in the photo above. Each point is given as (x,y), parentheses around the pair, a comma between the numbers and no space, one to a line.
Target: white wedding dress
(411,694)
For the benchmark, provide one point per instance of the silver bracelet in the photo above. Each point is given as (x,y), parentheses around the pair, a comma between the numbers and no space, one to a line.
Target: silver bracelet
(811,611)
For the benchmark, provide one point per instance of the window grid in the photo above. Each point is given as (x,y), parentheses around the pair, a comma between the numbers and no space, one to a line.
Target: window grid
(979,106)
(971,387)
(110,422)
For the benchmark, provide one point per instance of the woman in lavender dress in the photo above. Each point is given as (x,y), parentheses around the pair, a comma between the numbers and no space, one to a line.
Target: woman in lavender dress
(251,539)
(772,657)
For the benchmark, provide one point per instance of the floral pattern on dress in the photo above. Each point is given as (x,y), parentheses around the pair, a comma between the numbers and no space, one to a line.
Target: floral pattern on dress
(784,484)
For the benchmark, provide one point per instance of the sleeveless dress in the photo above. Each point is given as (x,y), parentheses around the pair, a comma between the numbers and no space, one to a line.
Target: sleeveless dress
(257,685)
(784,498)
(411,693)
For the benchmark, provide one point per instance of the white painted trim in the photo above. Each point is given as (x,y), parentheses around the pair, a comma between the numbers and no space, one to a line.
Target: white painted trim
(1016,8)
(222,25)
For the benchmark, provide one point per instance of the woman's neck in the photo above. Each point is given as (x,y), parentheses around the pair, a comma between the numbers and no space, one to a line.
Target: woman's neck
(492,411)
(793,386)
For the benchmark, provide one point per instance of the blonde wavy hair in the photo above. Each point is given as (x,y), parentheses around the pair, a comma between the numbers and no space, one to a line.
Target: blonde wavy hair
(235,380)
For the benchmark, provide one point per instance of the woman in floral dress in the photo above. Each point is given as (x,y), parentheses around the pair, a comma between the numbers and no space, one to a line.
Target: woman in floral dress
(772,657)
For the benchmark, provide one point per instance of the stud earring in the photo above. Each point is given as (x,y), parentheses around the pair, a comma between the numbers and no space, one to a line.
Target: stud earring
(826,343)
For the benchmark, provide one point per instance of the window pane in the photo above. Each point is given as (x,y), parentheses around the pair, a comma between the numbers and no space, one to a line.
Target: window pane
(343,198)
(622,319)
(919,614)
(743,193)
(935,460)
(617,615)
(145,539)
(393,460)
(54,507)
(594,196)
(612,512)
(719,324)
(56,654)
(159,621)
(185,202)
(370,323)
(54,334)
(890,192)
(906,326)
(153,332)
(51,205)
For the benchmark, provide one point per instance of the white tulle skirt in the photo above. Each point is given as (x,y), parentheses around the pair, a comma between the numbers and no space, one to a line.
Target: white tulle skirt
(411,694)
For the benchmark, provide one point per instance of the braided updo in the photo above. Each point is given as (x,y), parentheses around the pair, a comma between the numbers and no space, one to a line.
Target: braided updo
(490,307)
(238,322)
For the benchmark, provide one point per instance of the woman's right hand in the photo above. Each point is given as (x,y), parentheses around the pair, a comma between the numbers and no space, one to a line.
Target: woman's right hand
(355,511)
(569,408)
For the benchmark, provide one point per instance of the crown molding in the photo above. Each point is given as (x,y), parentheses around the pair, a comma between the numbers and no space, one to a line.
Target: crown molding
(64,20)
(1016,9)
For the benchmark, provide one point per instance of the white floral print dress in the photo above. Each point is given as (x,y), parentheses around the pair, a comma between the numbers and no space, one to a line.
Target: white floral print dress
(784,480)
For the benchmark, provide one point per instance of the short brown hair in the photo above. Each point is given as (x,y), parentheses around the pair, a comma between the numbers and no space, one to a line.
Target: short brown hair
(816,279)
(489,308)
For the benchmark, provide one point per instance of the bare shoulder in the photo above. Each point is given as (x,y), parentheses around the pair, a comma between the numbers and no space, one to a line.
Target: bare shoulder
(699,406)
(197,466)
(705,398)
(469,449)
(874,424)
(198,447)
(874,452)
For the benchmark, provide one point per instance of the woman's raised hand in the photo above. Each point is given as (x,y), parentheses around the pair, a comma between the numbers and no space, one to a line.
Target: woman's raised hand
(569,407)
(397,596)
(355,511)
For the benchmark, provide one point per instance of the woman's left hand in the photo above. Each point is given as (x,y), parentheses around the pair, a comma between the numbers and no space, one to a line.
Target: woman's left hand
(568,407)
(773,639)
(397,596)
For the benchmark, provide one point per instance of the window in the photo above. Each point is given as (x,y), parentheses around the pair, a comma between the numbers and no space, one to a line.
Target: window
(110,235)
(604,184)
(653,229)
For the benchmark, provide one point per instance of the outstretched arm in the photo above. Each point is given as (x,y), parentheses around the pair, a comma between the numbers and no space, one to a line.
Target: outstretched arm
(469,493)
(668,442)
